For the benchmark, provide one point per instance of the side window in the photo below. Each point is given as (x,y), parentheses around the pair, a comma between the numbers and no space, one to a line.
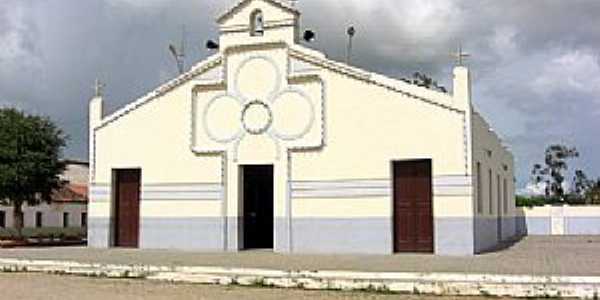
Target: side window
(83,219)
(38,219)
(479,193)
(257,23)
(491,192)
(499,195)
(2,219)
(65,219)
(505,197)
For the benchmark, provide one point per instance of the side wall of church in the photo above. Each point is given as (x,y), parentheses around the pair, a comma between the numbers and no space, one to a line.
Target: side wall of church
(342,194)
(493,179)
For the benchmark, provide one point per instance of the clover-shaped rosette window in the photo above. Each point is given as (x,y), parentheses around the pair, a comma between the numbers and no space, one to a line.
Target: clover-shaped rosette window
(260,104)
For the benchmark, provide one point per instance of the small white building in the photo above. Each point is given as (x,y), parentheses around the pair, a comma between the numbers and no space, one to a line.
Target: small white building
(270,144)
(68,207)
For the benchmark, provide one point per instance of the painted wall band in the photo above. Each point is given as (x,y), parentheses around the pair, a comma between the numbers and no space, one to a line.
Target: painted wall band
(443,186)
(166,191)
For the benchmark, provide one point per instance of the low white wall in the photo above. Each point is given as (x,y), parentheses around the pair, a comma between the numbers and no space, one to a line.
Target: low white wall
(52,214)
(559,220)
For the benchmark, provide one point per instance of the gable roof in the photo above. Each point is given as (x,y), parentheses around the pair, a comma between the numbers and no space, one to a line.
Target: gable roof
(313,56)
(199,68)
(71,193)
(243,3)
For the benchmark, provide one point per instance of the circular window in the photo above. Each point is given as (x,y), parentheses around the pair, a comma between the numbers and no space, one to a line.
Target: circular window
(256,117)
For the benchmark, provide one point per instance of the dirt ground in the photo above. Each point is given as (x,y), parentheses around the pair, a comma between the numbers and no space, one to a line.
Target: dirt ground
(49,287)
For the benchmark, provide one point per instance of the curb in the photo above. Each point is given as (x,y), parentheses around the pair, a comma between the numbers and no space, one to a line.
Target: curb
(442,284)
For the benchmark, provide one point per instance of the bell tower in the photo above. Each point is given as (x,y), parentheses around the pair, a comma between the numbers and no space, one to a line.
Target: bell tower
(259,21)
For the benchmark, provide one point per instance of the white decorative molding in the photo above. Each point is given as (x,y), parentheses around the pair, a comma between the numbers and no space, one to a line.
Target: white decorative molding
(266,127)
(268,60)
(268,25)
(165,191)
(311,120)
(177,192)
(467,137)
(443,186)
(262,126)
(452,180)
(398,86)
(345,188)
(453,186)
(323,134)
(206,125)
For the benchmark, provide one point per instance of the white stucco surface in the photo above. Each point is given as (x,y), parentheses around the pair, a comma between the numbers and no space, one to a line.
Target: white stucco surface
(331,132)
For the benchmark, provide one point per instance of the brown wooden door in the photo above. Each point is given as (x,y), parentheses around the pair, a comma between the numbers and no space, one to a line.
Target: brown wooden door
(127,208)
(413,215)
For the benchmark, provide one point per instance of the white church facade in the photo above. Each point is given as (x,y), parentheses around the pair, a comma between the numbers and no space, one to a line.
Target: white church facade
(268,144)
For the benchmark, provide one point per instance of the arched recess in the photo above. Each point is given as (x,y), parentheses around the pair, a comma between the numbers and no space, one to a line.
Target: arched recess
(257,23)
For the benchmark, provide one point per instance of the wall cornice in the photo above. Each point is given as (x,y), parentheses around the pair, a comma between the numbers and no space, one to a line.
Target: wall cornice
(438,99)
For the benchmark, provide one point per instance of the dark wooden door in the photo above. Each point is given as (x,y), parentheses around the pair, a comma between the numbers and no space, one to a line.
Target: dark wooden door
(413,211)
(258,207)
(127,208)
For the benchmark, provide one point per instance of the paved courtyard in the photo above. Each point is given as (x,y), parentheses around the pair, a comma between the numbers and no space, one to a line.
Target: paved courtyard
(533,255)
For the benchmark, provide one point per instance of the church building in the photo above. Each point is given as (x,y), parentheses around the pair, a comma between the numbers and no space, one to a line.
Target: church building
(268,144)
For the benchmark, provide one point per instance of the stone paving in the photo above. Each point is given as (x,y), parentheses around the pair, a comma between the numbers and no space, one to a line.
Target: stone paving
(533,255)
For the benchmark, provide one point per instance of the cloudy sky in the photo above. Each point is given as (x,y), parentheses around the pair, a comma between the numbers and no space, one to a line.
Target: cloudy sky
(535,63)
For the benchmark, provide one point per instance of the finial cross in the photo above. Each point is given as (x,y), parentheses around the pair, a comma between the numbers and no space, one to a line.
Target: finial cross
(98,87)
(460,55)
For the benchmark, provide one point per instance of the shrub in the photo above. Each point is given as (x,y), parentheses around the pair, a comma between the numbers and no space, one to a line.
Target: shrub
(70,233)
(525,201)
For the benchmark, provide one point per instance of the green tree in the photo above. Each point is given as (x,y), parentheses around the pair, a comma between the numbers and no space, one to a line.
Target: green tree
(581,183)
(586,189)
(552,172)
(592,195)
(422,79)
(30,160)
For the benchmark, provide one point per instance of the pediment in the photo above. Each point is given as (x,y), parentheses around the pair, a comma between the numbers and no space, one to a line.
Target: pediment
(274,10)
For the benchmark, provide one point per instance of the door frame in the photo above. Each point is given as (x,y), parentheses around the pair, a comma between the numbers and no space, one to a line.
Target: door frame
(393,199)
(242,204)
(114,222)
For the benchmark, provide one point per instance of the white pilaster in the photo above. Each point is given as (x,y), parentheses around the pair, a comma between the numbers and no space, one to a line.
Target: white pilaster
(462,101)
(462,88)
(95,118)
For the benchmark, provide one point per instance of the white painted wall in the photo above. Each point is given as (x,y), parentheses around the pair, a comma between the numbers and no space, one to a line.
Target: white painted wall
(52,214)
(363,122)
(559,220)
(491,203)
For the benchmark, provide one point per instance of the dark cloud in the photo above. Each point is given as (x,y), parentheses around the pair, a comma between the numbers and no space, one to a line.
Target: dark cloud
(535,63)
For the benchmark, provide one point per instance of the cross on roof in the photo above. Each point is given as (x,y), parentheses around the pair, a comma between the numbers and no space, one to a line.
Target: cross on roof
(293,2)
(98,86)
(459,55)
